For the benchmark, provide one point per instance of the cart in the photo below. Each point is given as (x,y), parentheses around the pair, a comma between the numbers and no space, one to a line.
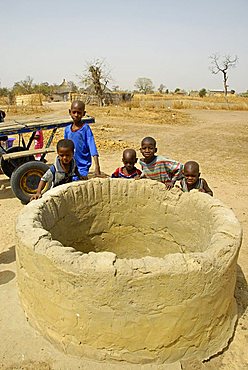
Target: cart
(19,162)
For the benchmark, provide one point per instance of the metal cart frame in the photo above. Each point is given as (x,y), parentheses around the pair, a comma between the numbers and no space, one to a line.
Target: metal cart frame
(19,163)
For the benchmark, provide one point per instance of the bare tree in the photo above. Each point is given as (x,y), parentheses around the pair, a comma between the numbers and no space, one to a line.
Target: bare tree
(222,66)
(161,88)
(97,76)
(73,87)
(116,88)
(144,85)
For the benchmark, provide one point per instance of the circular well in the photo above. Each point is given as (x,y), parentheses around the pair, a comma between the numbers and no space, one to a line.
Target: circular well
(125,270)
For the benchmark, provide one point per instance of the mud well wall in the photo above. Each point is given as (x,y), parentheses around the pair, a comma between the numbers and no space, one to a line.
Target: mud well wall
(138,302)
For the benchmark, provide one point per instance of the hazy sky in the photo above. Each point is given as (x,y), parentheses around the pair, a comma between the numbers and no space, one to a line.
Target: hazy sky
(168,41)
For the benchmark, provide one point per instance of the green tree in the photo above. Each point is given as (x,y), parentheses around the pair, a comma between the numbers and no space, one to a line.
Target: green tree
(44,88)
(202,92)
(4,91)
(24,87)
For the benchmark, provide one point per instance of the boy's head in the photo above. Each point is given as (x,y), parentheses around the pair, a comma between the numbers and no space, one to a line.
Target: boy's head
(77,111)
(148,148)
(65,150)
(191,172)
(129,159)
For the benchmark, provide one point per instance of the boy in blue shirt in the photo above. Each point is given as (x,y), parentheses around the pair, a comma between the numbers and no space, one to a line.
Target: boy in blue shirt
(81,135)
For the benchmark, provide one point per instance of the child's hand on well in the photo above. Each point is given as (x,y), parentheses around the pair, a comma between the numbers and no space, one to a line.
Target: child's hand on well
(97,174)
(169,185)
(101,175)
(35,196)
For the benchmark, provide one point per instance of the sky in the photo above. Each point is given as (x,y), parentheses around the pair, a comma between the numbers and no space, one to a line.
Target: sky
(168,41)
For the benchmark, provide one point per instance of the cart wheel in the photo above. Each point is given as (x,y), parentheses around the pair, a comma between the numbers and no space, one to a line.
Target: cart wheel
(9,166)
(25,180)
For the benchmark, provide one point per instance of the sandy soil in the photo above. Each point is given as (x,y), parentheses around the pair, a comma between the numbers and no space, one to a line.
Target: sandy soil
(218,141)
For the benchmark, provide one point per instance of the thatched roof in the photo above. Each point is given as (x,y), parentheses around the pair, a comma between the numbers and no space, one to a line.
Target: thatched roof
(63,88)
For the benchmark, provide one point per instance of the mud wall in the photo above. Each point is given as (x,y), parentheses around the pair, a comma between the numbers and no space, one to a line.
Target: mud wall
(93,280)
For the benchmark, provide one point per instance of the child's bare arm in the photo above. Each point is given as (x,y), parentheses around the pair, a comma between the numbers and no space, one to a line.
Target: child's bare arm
(175,169)
(39,190)
(97,165)
(141,177)
(206,188)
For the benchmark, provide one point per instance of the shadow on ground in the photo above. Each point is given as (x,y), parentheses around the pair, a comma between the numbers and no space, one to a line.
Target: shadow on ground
(6,276)
(241,292)
(8,256)
(5,189)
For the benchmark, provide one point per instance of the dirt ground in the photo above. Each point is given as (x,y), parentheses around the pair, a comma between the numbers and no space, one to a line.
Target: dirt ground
(218,140)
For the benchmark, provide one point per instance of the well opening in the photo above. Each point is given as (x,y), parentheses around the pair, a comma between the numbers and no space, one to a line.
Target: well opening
(129,225)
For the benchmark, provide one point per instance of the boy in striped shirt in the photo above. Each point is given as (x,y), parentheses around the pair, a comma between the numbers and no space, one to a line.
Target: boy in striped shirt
(157,167)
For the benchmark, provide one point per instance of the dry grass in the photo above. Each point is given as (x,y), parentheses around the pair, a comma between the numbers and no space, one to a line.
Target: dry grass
(189,102)
(25,110)
(105,145)
(226,106)
(106,136)
(210,106)
(3,101)
(212,98)
(180,104)
(222,99)
(148,114)
(143,109)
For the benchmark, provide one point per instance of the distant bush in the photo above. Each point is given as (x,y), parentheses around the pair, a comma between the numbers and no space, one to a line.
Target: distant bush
(4,91)
(202,93)
(244,95)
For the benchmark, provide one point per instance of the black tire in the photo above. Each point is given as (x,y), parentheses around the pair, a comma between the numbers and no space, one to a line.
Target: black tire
(25,180)
(9,166)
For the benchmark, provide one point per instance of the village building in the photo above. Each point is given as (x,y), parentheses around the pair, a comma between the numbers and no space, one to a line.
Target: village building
(62,93)
(88,96)
(29,99)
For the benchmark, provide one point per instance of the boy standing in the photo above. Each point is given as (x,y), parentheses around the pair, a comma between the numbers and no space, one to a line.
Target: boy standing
(64,169)
(81,135)
(157,167)
(192,179)
(128,171)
